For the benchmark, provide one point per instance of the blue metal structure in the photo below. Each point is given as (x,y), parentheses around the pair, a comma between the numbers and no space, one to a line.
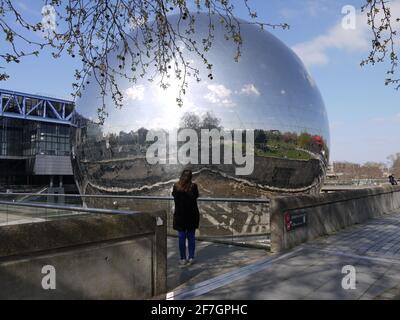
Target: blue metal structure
(34,138)
(20,105)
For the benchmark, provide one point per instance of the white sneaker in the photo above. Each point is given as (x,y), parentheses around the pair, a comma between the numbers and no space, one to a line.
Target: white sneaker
(182,262)
(190,262)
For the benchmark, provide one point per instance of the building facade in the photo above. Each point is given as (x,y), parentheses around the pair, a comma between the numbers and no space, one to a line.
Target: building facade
(34,139)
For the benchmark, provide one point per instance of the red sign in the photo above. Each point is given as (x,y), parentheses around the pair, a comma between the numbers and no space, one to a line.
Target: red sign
(295,219)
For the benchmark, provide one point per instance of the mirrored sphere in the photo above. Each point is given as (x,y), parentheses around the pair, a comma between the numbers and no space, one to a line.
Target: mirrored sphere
(268,91)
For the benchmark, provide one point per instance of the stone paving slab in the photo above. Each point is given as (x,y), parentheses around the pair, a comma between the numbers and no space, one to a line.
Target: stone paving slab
(376,237)
(212,259)
(320,278)
(314,270)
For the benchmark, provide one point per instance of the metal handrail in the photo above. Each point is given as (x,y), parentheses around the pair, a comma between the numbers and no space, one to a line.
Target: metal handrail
(162,198)
(68,208)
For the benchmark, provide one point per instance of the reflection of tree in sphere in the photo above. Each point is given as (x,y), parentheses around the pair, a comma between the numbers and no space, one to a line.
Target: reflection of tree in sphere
(268,91)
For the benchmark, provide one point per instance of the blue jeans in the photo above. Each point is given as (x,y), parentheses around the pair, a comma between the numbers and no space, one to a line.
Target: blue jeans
(190,235)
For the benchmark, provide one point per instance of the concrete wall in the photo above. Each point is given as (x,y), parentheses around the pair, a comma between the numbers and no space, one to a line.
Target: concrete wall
(95,257)
(327,213)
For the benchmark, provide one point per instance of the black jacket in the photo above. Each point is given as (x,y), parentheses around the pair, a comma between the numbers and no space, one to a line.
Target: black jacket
(186,215)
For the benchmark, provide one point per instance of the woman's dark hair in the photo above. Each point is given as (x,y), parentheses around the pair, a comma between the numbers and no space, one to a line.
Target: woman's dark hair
(185,181)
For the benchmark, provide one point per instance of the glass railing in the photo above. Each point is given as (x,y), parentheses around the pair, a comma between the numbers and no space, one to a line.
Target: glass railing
(235,221)
(19,212)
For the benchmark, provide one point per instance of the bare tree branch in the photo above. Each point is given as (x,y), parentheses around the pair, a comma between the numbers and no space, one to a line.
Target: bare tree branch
(142,36)
(138,31)
(383,27)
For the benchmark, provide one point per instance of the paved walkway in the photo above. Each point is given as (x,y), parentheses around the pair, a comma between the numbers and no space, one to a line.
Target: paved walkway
(212,259)
(311,271)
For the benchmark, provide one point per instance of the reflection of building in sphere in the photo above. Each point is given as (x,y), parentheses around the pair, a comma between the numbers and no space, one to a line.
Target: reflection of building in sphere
(268,91)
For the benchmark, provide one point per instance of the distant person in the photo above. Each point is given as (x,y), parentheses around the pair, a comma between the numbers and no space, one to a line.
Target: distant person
(186,215)
(392,180)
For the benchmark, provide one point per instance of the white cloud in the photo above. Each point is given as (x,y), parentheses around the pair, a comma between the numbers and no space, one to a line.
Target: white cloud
(392,119)
(49,18)
(312,8)
(219,90)
(135,92)
(379,120)
(396,118)
(219,94)
(250,90)
(316,7)
(315,51)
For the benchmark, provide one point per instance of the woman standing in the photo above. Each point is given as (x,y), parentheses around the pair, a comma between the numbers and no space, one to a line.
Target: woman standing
(186,215)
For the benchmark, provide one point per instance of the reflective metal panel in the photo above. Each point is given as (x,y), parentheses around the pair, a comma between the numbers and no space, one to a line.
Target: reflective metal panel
(268,91)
